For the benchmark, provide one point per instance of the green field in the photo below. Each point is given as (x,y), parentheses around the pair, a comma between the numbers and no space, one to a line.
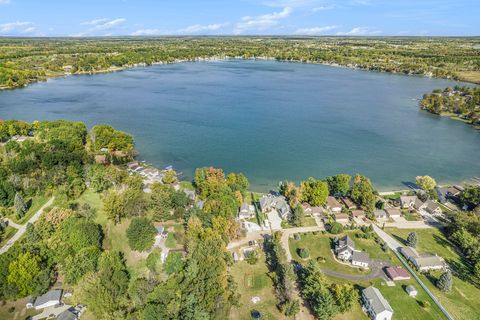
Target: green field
(253,281)
(309,222)
(95,201)
(463,302)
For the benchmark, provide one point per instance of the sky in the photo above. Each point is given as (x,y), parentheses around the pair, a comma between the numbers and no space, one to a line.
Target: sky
(42,18)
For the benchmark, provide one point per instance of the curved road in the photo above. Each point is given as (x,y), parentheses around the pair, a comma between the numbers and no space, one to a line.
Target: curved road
(22,228)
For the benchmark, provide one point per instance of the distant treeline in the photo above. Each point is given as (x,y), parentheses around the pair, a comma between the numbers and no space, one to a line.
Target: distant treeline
(23,61)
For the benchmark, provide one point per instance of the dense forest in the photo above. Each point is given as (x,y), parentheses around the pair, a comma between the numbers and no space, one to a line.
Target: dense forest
(464,102)
(24,60)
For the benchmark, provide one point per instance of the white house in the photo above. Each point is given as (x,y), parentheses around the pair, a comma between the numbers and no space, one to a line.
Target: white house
(49,299)
(423,262)
(375,305)
(333,205)
(246,211)
(393,213)
(432,207)
(279,203)
(344,248)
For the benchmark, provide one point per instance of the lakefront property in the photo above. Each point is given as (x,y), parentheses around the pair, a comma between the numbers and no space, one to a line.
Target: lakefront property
(257,160)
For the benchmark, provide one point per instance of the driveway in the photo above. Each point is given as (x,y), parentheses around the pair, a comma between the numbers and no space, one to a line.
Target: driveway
(23,228)
(275,220)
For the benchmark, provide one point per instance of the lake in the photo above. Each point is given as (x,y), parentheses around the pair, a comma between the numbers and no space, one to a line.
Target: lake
(270,120)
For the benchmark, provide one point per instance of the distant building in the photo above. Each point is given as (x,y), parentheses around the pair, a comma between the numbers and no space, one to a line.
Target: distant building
(246,211)
(380,214)
(409,202)
(333,205)
(432,207)
(397,273)
(412,292)
(358,214)
(189,193)
(49,299)
(161,232)
(272,202)
(393,213)
(344,248)
(311,210)
(341,217)
(422,262)
(349,204)
(376,306)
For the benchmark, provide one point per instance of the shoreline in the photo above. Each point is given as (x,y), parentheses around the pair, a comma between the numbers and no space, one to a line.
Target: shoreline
(227,58)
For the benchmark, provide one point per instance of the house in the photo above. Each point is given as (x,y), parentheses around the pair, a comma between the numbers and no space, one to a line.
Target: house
(273,202)
(341,217)
(189,193)
(344,248)
(454,191)
(246,211)
(161,232)
(101,159)
(349,204)
(422,262)
(432,207)
(132,165)
(18,138)
(199,204)
(441,194)
(397,273)
(358,214)
(412,292)
(408,202)
(360,259)
(380,214)
(376,306)
(311,210)
(393,213)
(333,205)
(49,299)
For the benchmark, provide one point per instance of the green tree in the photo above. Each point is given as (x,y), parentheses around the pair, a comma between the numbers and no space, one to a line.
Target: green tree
(251,257)
(471,196)
(20,205)
(22,271)
(427,183)
(314,192)
(345,295)
(153,259)
(141,234)
(173,263)
(363,193)
(297,217)
(113,206)
(445,281)
(412,239)
(339,184)
(169,177)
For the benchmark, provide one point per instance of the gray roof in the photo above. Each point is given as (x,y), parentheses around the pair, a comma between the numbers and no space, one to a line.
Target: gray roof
(360,256)
(67,315)
(418,203)
(376,301)
(379,213)
(409,252)
(407,200)
(393,212)
(245,207)
(429,261)
(160,229)
(410,288)
(53,295)
(431,206)
(345,242)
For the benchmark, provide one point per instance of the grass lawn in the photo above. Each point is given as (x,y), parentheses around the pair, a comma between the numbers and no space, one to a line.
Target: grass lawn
(37,203)
(410,216)
(16,310)
(462,302)
(171,242)
(95,201)
(187,185)
(320,245)
(253,281)
(9,232)
(116,239)
(309,222)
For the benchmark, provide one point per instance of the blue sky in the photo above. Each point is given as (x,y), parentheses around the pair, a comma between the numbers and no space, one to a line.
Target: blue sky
(238,17)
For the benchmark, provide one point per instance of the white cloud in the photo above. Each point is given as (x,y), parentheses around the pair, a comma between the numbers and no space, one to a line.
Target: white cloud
(314,30)
(5,1)
(197,28)
(262,22)
(290,3)
(147,32)
(359,31)
(17,28)
(100,25)
(323,8)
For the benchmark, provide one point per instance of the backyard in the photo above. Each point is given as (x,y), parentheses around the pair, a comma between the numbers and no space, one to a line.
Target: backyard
(462,302)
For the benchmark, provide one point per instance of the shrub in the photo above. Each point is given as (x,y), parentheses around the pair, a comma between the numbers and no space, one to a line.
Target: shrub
(141,234)
(336,228)
(297,236)
(424,304)
(321,259)
(251,257)
(303,253)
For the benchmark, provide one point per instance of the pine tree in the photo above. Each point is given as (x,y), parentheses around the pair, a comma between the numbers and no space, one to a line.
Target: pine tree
(444,283)
(412,239)
(20,205)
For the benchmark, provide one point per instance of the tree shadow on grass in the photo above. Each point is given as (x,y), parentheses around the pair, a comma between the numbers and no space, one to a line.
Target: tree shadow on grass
(400,239)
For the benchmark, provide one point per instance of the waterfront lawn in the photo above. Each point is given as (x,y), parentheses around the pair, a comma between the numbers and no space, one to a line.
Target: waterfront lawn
(9,232)
(463,301)
(320,247)
(36,203)
(253,281)
(95,202)
(410,216)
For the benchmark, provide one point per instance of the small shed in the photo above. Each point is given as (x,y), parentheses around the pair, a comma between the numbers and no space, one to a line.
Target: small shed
(412,292)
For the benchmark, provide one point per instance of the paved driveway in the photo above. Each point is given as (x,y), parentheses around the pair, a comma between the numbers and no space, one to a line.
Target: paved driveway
(275,220)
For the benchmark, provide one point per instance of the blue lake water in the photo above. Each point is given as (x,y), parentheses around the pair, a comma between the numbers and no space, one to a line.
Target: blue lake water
(269,120)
